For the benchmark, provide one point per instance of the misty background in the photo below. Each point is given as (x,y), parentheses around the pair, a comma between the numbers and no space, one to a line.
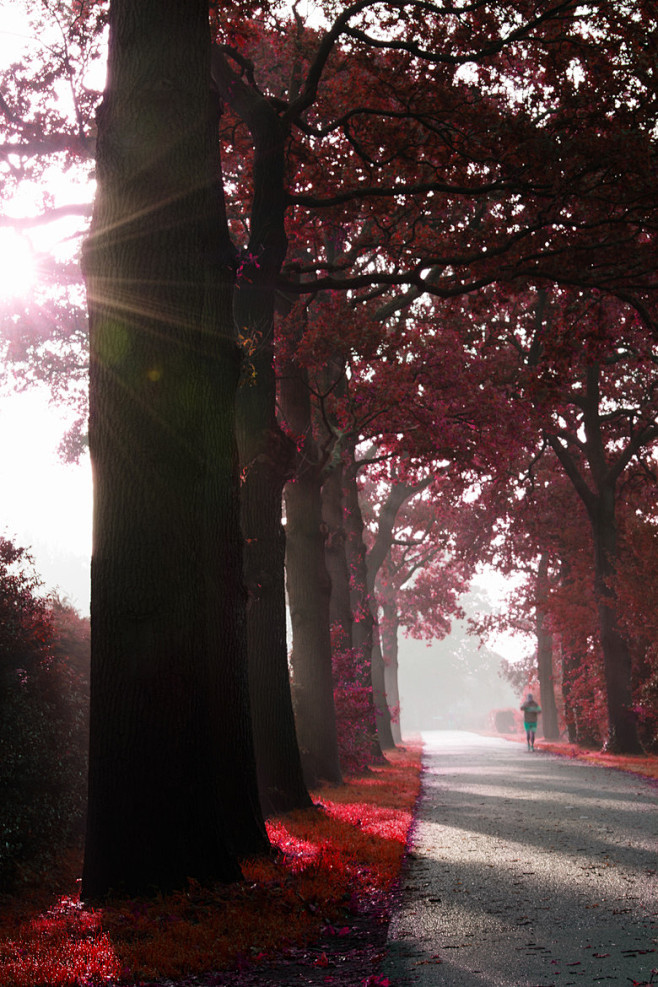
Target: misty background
(454,683)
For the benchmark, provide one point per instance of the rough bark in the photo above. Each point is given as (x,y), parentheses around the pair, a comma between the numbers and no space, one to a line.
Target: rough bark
(280,777)
(266,456)
(309,590)
(623,735)
(172,786)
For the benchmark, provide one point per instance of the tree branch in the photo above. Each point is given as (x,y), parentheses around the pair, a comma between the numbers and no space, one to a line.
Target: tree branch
(587,496)
(50,216)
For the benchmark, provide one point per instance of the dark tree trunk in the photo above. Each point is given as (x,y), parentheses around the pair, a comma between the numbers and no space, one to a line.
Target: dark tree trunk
(172,783)
(549,718)
(382,712)
(363,620)
(340,610)
(569,668)
(308,595)
(280,776)
(622,726)
(266,455)
(309,590)
(363,628)
(389,638)
(332,379)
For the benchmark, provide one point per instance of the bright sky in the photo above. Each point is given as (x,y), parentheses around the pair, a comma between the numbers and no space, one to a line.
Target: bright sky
(44,504)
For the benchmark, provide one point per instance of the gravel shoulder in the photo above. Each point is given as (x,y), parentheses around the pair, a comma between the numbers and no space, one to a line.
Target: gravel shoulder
(526,870)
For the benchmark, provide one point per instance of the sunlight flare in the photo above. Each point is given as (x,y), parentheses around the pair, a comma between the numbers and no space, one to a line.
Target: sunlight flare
(17,265)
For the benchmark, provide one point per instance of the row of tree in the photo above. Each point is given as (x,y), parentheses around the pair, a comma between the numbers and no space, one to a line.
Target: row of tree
(391,272)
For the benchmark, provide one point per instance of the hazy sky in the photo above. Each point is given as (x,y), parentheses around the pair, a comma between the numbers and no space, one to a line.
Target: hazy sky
(45,504)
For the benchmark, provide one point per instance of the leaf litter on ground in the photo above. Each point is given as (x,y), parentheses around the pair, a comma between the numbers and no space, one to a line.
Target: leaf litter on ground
(317,912)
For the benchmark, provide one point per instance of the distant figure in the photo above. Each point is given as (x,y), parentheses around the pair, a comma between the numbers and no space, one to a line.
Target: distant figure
(531,711)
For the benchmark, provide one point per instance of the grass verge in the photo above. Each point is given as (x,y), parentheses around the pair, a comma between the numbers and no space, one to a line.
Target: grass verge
(341,858)
(645,765)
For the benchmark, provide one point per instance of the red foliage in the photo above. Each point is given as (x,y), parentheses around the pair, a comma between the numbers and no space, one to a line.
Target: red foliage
(64,946)
(354,710)
(334,861)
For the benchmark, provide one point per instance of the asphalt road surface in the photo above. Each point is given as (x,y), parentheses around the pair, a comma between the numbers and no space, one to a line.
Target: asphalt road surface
(526,870)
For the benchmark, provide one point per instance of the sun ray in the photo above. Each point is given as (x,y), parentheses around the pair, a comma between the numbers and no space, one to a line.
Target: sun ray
(17,265)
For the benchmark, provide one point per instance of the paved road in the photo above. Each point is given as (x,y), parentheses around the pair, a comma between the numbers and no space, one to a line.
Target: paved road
(526,870)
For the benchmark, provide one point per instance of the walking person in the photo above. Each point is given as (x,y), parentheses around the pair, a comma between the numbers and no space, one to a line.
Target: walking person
(531,711)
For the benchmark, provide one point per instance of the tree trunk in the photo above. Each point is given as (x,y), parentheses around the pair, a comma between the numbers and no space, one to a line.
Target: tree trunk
(569,668)
(358,732)
(280,777)
(309,591)
(549,718)
(363,628)
(308,595)
(172,783)
(340,610)
(389,637)
(382,712)
(623,736)
(266,456)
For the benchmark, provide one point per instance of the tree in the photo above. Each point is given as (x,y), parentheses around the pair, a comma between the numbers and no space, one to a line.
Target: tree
(266,454)
(419,197)
(586,381)
(605,418)
(172,791)
(309,586)
(599,499)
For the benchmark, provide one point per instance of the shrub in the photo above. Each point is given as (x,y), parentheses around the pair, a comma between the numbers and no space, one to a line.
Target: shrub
(355,724)
(43,723)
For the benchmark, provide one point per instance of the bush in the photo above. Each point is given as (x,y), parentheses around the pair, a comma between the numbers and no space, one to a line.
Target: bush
(43,720)
(355,723)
